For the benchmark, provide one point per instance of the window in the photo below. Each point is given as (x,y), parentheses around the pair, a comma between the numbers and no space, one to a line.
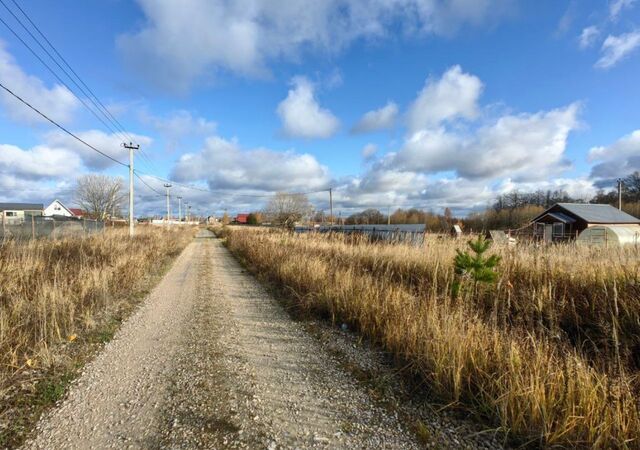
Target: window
(11,214)
(558,229)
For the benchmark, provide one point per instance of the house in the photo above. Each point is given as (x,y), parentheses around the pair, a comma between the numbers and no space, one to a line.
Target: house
(15,213)
(57,208)
(564,221)
(242,219)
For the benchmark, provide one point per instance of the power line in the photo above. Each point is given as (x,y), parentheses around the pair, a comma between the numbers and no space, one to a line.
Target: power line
(147,184)
(60,126)
(57,76)
(37,41)
(104,109)
(136,172)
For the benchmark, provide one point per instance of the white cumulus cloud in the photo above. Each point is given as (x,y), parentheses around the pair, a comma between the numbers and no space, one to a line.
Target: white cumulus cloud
(38,162)
(57,101)
(180,42)
(616,48)
(525,145)
(378,119)
(616,6)
(301,114)
(179,125)
(588,36)
(618,159)
(111,144)
(454,95)
(224,165)
(369,151)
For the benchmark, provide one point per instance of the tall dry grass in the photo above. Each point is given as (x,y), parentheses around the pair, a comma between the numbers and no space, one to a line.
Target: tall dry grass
(50,290)
(545,354)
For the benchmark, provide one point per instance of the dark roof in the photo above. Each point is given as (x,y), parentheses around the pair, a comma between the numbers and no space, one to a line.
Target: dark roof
(21,206)
(561,217)
(594,213)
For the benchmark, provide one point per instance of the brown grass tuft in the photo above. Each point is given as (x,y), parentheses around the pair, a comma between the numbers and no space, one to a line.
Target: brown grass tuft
(57,297)
(546,354)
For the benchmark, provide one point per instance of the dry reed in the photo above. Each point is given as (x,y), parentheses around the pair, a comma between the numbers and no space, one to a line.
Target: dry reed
(50,290)
(514,353)
(58,301)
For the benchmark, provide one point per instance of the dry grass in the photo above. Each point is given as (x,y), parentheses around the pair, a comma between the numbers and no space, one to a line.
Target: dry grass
(546,354)
(58,297)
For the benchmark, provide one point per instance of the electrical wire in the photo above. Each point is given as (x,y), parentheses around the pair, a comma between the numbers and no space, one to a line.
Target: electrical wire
(60,126)
(91,95)
(147,184)
(57,76)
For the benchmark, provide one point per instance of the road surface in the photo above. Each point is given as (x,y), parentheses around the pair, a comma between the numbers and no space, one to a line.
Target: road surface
(211,360)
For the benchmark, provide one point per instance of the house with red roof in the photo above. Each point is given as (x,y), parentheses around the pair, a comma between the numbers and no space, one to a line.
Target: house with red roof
(241,219)
(57,208)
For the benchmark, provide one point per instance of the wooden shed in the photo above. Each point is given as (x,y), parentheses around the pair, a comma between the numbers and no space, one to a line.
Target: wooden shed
(565,221)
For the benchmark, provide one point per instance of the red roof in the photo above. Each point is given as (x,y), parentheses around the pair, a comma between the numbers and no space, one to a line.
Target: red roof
(77,212)
(242,218)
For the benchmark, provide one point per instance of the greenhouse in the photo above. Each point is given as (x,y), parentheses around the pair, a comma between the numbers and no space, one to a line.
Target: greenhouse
(610,235)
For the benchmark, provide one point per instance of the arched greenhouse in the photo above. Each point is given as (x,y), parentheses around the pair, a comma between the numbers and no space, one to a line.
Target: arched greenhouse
(610,235)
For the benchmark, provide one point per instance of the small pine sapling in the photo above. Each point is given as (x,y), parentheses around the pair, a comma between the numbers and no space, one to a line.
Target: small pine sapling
(475,267)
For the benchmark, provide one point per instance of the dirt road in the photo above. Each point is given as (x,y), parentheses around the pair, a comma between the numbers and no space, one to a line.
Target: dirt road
(211,360)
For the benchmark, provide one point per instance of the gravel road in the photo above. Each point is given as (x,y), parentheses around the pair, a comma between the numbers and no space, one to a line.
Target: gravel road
(211,360)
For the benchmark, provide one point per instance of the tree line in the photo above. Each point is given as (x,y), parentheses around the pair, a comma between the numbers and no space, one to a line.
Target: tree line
(510,210)
(101,197)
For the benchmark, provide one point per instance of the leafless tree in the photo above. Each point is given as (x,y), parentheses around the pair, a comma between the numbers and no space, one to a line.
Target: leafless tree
(287,209)
(632,186)
(99,195)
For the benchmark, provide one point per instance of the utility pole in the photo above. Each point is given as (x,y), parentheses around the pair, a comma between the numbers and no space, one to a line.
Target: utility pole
(168,185)
(189,212)
(180,209)
(131,148)
(620,193)
(331,206)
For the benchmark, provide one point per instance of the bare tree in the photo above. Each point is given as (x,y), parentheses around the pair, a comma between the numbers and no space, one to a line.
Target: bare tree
(287,209)
(99,195)
(632,187)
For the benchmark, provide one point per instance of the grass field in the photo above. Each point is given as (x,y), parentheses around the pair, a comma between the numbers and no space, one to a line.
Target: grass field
(547,354)
(59,301)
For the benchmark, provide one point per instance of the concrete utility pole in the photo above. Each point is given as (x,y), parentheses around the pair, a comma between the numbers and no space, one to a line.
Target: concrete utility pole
(131,148)
(331,206)
(168,185)
(620,193)
(180,209)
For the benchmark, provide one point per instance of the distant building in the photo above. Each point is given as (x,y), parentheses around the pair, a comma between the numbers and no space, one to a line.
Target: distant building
(11,213)
(564,221)
(57,208)
(241,219)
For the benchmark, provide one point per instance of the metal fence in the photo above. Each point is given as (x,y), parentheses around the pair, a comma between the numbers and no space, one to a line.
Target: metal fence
(405,233)
(33,227)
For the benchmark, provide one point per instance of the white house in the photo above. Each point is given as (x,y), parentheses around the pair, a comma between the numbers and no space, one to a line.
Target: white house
(57,208)
(16,213)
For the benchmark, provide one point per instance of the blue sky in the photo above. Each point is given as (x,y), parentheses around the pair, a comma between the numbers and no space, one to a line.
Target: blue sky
(426,103)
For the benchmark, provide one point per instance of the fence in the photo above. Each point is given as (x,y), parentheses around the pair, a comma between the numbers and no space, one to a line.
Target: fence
(32,227)
(411,234)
